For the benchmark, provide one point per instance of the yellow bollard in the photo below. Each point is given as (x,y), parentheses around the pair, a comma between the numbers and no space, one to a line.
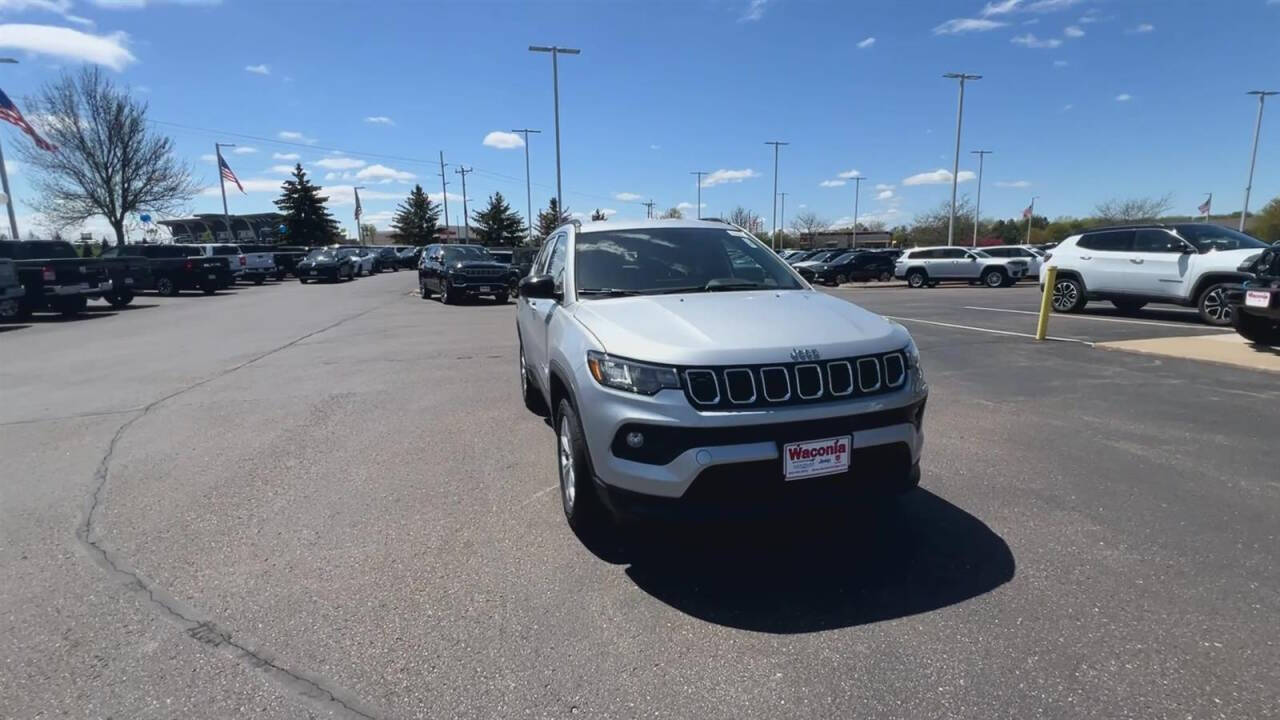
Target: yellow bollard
(1050,276)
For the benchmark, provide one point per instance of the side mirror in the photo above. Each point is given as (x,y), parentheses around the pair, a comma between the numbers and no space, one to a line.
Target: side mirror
(539,286)
(973,258)
(1188,250)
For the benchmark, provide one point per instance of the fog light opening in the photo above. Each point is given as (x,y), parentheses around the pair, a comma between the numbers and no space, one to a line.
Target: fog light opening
(635,440)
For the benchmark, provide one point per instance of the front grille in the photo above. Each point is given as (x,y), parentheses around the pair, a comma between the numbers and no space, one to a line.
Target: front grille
(755,386)
(483,273)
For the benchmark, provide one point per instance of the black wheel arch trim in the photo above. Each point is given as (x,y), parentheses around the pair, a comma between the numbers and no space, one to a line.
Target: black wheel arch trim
(1216,278)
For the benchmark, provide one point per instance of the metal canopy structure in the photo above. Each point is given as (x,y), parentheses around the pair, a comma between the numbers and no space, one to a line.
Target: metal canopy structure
(254,227)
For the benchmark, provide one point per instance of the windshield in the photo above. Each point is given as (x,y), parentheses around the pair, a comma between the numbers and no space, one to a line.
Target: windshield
(979,253)
(226,250)
(326,255)
(666,260)
(1209,237)
(457,253)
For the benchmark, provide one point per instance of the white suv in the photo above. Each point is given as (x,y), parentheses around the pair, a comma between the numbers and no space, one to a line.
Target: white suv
(1034,257)
(1189,264)
(688,371)
(928,266)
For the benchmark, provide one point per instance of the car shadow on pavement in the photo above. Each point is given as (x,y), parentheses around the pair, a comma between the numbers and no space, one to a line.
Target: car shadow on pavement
(127,308)
(6,328)
(1185,317)
(915,554)
(90,313)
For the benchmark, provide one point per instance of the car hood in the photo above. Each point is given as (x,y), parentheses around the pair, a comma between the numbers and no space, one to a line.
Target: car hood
(1231,259)
(480,264)
(751,327)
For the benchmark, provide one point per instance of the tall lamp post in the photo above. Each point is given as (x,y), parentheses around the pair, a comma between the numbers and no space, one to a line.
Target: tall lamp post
(955,167)
(1253,158)
(977,206)
(555,85)
(4,176)
(773,242)
(698,209)
(528,191)
(466,219)
(857,195)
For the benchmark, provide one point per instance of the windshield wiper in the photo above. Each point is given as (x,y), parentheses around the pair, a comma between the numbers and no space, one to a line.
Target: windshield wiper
(608,292)
(730,284)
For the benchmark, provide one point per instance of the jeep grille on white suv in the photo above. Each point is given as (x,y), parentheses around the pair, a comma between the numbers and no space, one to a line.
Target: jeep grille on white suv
(756,386)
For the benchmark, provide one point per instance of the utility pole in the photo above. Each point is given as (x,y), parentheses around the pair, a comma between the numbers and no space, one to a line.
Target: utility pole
(4,178)
(555,85)
(977,206)
(857,193)
(782,214)
(528,192)
(466,219)
(358,212)
(648,209)
(955,167)
(1253,159)
(698,209)
(1031,213)
(222,183)
(776,144)
(444,192)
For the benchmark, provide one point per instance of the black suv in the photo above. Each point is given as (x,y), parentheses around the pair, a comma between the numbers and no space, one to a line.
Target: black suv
(1255,306)
(854,267)
(457,272)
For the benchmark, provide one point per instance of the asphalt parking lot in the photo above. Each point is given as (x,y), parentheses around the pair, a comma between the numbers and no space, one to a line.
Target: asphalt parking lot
(328,501)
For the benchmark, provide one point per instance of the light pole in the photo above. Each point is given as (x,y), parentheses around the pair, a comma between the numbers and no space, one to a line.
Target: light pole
(222,183)
(698,209)
(466,219)
(782,214)
(857,193)
(555,85)
(358,213)
(977,206)
(444,192)
(528,192)
(1031,213)
(4,176)
(648,209)
(1253,159)
(955,167)
(773,235)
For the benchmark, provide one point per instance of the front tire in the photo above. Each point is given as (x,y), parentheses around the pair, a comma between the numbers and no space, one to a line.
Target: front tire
(1068,295)
(582,508)
(500,298)
(166,287)
(120,299)
(1213,306)
(885,276)
(917,279)
(1257,330)
(446,293)
(422,289)
(994,278)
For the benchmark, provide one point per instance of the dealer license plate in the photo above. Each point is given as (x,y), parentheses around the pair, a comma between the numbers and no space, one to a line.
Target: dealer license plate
(485,288)
(213,276)
(312,272)
(813,458)
(1253,298)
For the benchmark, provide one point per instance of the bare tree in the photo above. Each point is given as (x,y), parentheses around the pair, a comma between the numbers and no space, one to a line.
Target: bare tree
(108,162)
(673,214)
(599,216)
(746,219)
(1133,209)
(808,224)
(930,227)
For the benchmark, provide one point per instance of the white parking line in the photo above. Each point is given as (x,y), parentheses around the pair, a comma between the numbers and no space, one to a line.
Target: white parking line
(1070,316)
(988,330)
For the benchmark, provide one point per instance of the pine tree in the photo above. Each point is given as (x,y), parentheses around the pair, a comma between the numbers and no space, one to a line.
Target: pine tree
(416,218)
(551,218)
(598,216)
(498,224)
(305,215)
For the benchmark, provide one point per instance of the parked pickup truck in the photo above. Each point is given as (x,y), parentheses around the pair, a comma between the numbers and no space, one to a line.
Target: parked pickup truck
(11,290)
(173,268)
(287,258)
(260,262)
(53,277)
(232,253)
(126,273)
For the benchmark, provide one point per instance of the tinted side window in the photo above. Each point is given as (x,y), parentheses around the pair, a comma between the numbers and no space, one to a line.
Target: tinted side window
(951,253)
(921,254)
(1110,241)
(999,252)
(555,261)
(1156,241)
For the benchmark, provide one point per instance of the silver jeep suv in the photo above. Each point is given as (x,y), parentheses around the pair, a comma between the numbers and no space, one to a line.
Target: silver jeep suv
(687,369)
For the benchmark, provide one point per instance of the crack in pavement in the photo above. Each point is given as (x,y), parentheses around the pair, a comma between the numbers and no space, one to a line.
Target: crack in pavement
(195,625)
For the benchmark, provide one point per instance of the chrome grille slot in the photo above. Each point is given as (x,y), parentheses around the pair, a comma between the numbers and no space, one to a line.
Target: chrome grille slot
(740,386)
(808,381)
(702,386)
(840,378)
(868,369)
(895,370)
(777,384)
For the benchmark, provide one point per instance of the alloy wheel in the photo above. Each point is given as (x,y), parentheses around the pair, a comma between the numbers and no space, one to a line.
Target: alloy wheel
(1065,295)
(1216,306)
(568,486)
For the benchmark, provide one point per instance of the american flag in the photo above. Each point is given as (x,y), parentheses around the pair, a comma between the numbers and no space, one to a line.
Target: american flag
(227,174)
(1204,206)
(359,210)
(9,113)
(1026,213)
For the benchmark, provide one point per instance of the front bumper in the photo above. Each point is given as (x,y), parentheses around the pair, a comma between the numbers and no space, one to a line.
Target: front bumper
(474,286)
(693,452)
(320,273)
(1236,296)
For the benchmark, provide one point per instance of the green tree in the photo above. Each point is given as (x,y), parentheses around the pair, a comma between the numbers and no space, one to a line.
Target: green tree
(598,216)
(497,223)
(415,219)
(551,218)
(305,215)
(1265,225)
(672,214)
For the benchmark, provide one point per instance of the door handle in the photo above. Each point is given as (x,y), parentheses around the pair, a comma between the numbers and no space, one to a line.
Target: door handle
(1136,261)
(1086,257)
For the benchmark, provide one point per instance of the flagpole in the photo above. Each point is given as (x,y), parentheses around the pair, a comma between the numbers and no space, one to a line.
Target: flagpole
(359,230)
(1208,207)
(4,179)
(222,183)
(1031,212)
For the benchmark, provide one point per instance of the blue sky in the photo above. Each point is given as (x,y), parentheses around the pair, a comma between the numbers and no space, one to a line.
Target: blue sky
(1080,100)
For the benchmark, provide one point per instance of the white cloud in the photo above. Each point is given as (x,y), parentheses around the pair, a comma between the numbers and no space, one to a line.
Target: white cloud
(340,163)
(209,158)
(139,4)
(689,206)
(866,43)
(1032,21)
(719,177)
(1073,31)
(963,25)
(345,195)
(1031,41)
(108,50)
(382,173)
(754,11)
(938,177)
(849,174)
(379,120)
(1145,28)
(258,69)
(283,169)
(251,185)
(1048,6)
(628,197)
(1067,107)
(1059,63)
(1124,97)
(884,195)
(883,186)
(1088,18)
(295,136)
(833,183)
(244,150)
(1000,8)
(437,198)
(1012,184)
(503,140)
(286,156)
(58,7)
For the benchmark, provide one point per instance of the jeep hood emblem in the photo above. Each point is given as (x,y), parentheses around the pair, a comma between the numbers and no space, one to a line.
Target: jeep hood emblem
(799,354)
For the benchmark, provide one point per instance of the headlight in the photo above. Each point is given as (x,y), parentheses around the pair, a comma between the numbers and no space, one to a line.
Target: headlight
(913,354)
(630,375)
